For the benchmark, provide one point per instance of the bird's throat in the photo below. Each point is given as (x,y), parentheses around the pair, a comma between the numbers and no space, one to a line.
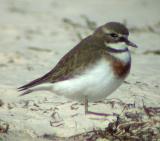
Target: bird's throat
(116,47)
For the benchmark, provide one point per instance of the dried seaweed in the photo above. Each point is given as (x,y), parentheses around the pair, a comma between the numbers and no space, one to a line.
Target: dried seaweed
(39,49)
(155,52)
(132,126)
(1,103)
(4,127)
(147,28)
(89,25)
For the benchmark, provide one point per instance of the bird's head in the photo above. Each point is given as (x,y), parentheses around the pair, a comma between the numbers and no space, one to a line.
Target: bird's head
(114,34)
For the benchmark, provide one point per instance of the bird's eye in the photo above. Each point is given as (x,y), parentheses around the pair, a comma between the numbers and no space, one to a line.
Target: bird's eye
(113,35)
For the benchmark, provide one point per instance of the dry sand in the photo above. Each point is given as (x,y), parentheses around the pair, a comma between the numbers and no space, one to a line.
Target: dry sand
(34,35)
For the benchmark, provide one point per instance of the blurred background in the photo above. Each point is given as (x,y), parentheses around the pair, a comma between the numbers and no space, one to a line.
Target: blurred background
(35,34)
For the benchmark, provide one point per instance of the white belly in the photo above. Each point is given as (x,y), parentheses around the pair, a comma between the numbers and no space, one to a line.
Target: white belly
(96,83)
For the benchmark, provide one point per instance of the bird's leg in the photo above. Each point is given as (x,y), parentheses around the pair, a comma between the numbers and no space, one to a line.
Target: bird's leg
(90,112)
(86,104)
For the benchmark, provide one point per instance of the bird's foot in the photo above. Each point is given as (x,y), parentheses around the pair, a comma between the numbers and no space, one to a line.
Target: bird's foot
(98,114)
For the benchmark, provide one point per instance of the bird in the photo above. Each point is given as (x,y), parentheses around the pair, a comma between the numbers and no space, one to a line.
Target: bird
(91,70)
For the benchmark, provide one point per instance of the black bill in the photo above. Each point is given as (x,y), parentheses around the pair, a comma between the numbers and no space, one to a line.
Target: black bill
(129,43)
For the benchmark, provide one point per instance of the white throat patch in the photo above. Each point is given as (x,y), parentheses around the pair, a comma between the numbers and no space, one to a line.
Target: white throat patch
(123,56)
(120,45)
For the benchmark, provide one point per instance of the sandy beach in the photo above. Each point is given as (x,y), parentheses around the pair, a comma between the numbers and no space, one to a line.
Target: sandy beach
(34,35)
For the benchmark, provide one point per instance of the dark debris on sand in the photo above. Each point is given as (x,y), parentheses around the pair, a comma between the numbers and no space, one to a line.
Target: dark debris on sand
(140,125)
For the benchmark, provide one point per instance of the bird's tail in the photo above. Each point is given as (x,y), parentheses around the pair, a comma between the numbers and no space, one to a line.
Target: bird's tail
(42,87)
(27,87)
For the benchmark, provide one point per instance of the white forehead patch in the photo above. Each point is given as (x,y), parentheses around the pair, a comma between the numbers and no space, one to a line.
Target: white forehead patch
(105,30)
